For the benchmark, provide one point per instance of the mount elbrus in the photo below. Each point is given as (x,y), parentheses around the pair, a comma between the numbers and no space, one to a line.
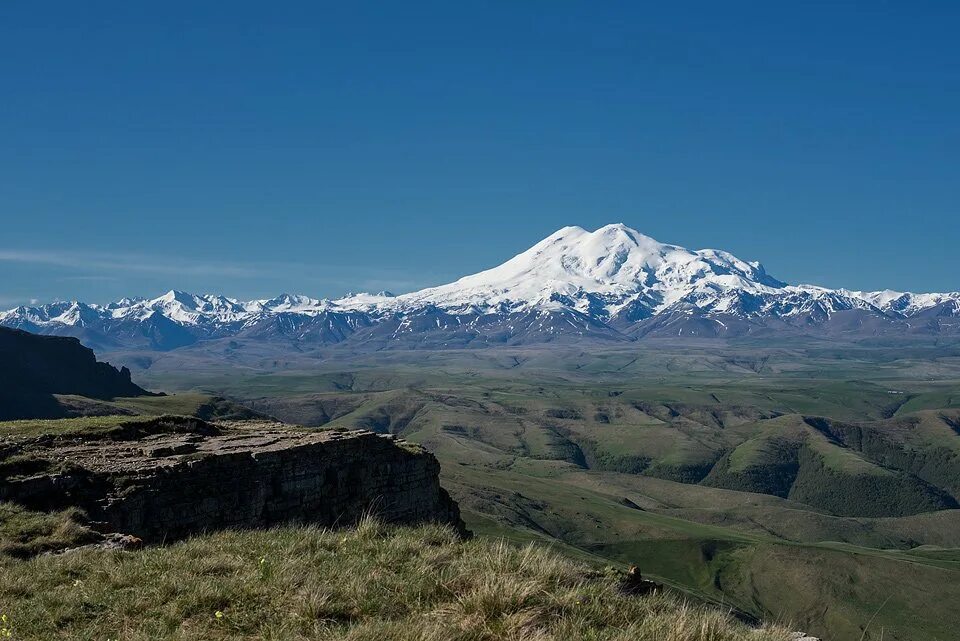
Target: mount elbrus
(611,284)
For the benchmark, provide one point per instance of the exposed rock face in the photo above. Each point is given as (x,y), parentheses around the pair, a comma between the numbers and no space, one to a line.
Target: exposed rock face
(181,476)
(33,367)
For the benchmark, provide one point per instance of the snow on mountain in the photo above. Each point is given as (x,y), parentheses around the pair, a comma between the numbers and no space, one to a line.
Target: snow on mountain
(905,303)
(614,264)
(614,282)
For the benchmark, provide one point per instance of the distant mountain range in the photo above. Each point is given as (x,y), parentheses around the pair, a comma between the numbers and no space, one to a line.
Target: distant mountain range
(612,284)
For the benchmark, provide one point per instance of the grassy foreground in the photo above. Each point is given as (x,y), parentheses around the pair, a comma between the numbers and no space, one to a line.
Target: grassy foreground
(372,582)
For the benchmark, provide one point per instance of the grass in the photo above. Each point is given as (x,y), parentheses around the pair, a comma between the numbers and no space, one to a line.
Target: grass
(372,582)
(203,406)
(185,404)
(101,427)
(85,425)
(24,533)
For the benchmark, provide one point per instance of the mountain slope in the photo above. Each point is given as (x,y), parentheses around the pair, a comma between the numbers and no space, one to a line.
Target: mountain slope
(611,284)
(33,368)
(597,273)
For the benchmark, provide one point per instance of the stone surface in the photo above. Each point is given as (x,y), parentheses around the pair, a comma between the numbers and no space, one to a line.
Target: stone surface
(634,583)
(188,476)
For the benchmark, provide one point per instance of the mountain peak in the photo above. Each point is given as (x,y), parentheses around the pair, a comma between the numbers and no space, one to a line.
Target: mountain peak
(619,229)
(609,266)
(177,296)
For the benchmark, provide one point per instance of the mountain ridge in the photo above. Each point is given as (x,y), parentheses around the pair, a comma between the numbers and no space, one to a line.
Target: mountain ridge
(35,368)
(612,283)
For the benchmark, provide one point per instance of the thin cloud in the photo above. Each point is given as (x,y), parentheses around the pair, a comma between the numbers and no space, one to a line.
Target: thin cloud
(337,279)
(172,265)
(92,279)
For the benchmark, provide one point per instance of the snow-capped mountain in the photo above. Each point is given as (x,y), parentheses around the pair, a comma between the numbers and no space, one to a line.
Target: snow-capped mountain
(613,283)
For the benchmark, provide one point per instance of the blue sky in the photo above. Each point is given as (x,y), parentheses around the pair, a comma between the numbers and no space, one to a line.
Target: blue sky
(325,147)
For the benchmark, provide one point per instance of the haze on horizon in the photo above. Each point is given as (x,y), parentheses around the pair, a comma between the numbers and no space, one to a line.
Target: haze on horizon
(319,148)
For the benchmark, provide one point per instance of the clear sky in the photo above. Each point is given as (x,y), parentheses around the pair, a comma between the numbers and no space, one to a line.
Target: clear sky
(252,148)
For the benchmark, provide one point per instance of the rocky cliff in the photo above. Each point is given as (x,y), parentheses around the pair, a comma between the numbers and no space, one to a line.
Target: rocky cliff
(170,477)
(33,368)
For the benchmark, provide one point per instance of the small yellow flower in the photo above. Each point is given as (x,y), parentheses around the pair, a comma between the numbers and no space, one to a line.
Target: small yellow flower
(218,614)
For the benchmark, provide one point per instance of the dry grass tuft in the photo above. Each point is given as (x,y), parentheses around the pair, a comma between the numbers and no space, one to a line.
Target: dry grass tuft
(24,533)
(371,583)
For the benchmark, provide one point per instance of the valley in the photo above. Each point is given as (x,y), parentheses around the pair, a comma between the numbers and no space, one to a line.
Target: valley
(812,483)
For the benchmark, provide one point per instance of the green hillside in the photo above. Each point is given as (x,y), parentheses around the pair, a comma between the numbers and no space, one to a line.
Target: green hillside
(808,482)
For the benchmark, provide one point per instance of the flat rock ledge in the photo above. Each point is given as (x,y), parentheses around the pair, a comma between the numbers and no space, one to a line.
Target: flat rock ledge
(174,476)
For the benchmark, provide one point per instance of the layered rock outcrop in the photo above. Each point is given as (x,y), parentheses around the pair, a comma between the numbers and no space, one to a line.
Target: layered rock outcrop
(171,477)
